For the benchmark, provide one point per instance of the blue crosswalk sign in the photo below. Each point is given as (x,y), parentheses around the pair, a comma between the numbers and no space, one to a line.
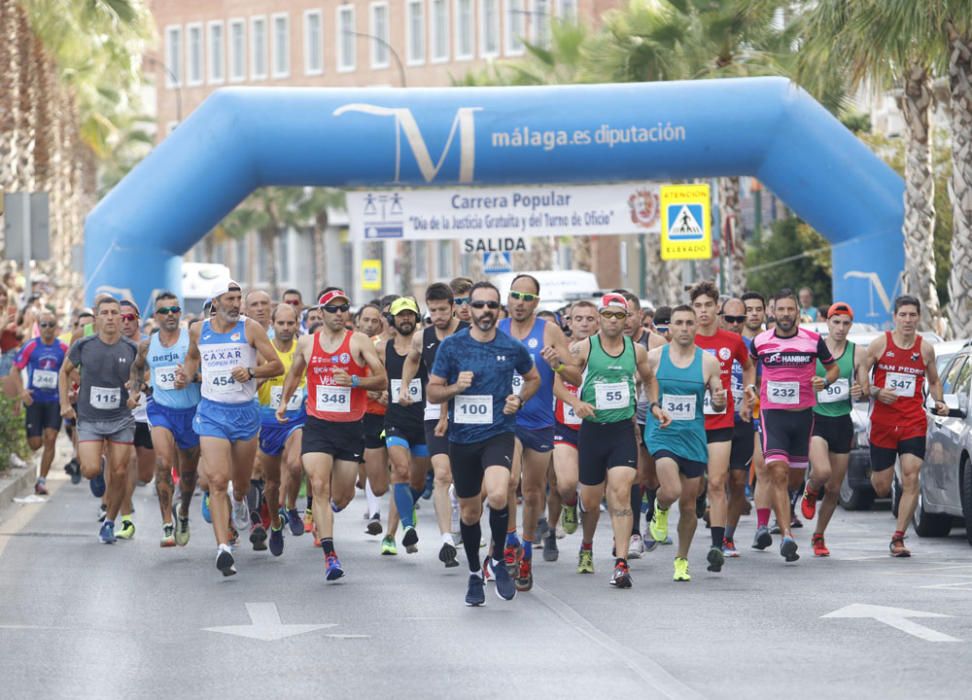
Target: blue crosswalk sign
(496,262)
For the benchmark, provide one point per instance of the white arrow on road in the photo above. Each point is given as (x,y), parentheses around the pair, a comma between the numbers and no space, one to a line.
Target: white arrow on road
(897,618)
(266,625)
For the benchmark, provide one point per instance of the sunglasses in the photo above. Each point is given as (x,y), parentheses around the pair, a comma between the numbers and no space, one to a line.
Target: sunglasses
(617,315)
(47,324)
(462,300)
(485,304)
(663,329)
(524,296)
(165,310)
(128,317)
(734,319)
(293,302)
(336,308)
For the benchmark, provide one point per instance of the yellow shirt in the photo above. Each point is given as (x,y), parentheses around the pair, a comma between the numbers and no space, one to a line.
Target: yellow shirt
(271,390)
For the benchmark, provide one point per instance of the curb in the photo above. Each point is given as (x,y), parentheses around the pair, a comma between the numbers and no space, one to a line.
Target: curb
(14,481)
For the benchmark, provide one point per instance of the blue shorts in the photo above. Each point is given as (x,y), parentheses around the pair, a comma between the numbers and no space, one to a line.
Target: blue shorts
(177,421)
(536,439)
(273,436)
(411,438)
(236,422)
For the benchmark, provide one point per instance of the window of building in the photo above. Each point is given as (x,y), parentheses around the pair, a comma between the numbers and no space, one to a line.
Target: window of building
(346,38)
(515,26)
(258,48)
(489,28)
(420,261)
(415,31)
(216,51)
(464,29)
(444,262)
(541,23)
(439,30)
(237,50)
(194,54)
(282,252)
(567,11)
(313,43)
(379,34)
(281,45)
(173,56)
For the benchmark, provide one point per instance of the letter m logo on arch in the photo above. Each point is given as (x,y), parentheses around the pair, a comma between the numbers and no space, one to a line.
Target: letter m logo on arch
(405,124)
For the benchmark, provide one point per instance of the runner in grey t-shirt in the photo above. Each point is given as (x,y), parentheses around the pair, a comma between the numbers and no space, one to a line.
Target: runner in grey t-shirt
(105,418)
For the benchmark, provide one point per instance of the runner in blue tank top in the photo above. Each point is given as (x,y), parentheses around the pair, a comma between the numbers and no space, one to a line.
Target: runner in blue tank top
(675,433)
(546,344)
(170,412)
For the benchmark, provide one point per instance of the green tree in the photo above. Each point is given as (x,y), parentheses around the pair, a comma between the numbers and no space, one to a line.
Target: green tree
(794,256)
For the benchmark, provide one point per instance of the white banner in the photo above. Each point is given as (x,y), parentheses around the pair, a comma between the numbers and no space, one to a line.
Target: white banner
(504,212)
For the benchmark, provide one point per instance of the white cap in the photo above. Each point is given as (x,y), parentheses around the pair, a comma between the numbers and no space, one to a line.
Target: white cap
(220,287)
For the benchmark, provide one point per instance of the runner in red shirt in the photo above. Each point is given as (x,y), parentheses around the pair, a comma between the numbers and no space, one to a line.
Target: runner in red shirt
(336,362)
(903,361)
(719,425)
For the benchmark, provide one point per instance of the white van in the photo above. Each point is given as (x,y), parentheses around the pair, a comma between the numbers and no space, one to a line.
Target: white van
(197,280)
(557,287)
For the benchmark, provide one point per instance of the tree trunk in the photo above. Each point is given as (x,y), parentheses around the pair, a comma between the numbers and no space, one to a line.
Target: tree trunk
(9,105)
(732,239)
(960,279)
(268,237)
(919,197)
(318,245)
(27,96)
(580,253)
(663,278)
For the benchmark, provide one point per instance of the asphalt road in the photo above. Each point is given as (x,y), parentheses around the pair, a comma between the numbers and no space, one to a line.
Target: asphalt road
(79,619)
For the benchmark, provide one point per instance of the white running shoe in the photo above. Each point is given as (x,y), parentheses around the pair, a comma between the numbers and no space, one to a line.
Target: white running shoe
(635,547)
(241,515)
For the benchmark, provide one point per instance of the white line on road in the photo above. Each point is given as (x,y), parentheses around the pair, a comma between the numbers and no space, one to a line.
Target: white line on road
(894,617)
(265,625)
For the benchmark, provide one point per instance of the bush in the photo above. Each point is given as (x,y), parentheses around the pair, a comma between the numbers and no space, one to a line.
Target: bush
(13,439)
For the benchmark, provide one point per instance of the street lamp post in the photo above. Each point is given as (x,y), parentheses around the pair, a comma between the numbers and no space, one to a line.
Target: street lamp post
(391,50)
(151,60)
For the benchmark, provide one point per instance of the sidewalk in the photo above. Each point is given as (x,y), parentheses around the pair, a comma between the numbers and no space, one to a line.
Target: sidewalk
(16,482)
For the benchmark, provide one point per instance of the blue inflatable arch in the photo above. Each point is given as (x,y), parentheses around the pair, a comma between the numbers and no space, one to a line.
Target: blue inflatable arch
(241,139)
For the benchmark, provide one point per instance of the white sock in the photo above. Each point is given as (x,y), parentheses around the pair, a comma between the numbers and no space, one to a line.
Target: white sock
(224,548)
(447,539)
(374,503)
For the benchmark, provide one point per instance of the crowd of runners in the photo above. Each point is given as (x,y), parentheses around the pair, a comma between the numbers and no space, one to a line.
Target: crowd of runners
(548,419)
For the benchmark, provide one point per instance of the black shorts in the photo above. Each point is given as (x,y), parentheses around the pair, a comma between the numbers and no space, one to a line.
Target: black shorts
(143,436)
(470,460)
(689,468)
(837,431)
(412,434)
(883,457)
(438,445)
(602,446)
(786,436)
(743,445)
(374,426)
(344,441)
(718,435)
(39,417)
(565,435)
(536,439)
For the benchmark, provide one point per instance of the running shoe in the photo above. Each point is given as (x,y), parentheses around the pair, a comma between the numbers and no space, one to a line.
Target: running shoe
(585,561)
(332,568)
(700,505)
(40,488)
(73,469)
(127,530)
(809,505)
(511,557)
(788,549)
(775,530)
(102,513)
(374,525)
(648,543)
(621,578)
(258,538)
(241,514)
(264,513)
(524,576)
(293,519)
(447,555)
(505,588)
(658,527)
(410,540)
(107,533)
(487,570)
(308,520)
(551,552)
(762,540)
(795,523)
(716,559)
(182,531)
(540,532)
(334,507)
(207,515)
(168,536)
(636,547)
(276,540)
(429,485)
(897,547)
(729,548)
(568,518)
(819,546)
(225,562)
(476,592)
(681,570)
(317,539)
(388,546)
(97,484)
(234,536)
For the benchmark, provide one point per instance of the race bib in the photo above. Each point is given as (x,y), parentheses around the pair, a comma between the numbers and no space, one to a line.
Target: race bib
(838,391)
(517,383)
(334,399)
(707,408)
(44,379)
(476,409)
(164,378)
(786,393)
(570,418)
(276,394)
(901,384)
(105,399)
(414,390)
(433,411)
(610,396)
(221,383)
(679,406)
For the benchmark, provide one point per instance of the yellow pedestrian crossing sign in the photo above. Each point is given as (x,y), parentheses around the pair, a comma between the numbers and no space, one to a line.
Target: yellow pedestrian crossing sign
(371,275)
(685,222)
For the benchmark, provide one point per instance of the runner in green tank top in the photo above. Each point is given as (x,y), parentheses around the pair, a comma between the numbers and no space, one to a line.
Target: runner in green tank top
(833,427)
(607,450)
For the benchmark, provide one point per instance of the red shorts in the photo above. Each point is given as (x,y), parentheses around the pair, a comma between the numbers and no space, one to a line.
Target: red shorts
(888,436)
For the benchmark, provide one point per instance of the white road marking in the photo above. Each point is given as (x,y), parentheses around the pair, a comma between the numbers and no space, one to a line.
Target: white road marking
(894,617)
(266,625)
